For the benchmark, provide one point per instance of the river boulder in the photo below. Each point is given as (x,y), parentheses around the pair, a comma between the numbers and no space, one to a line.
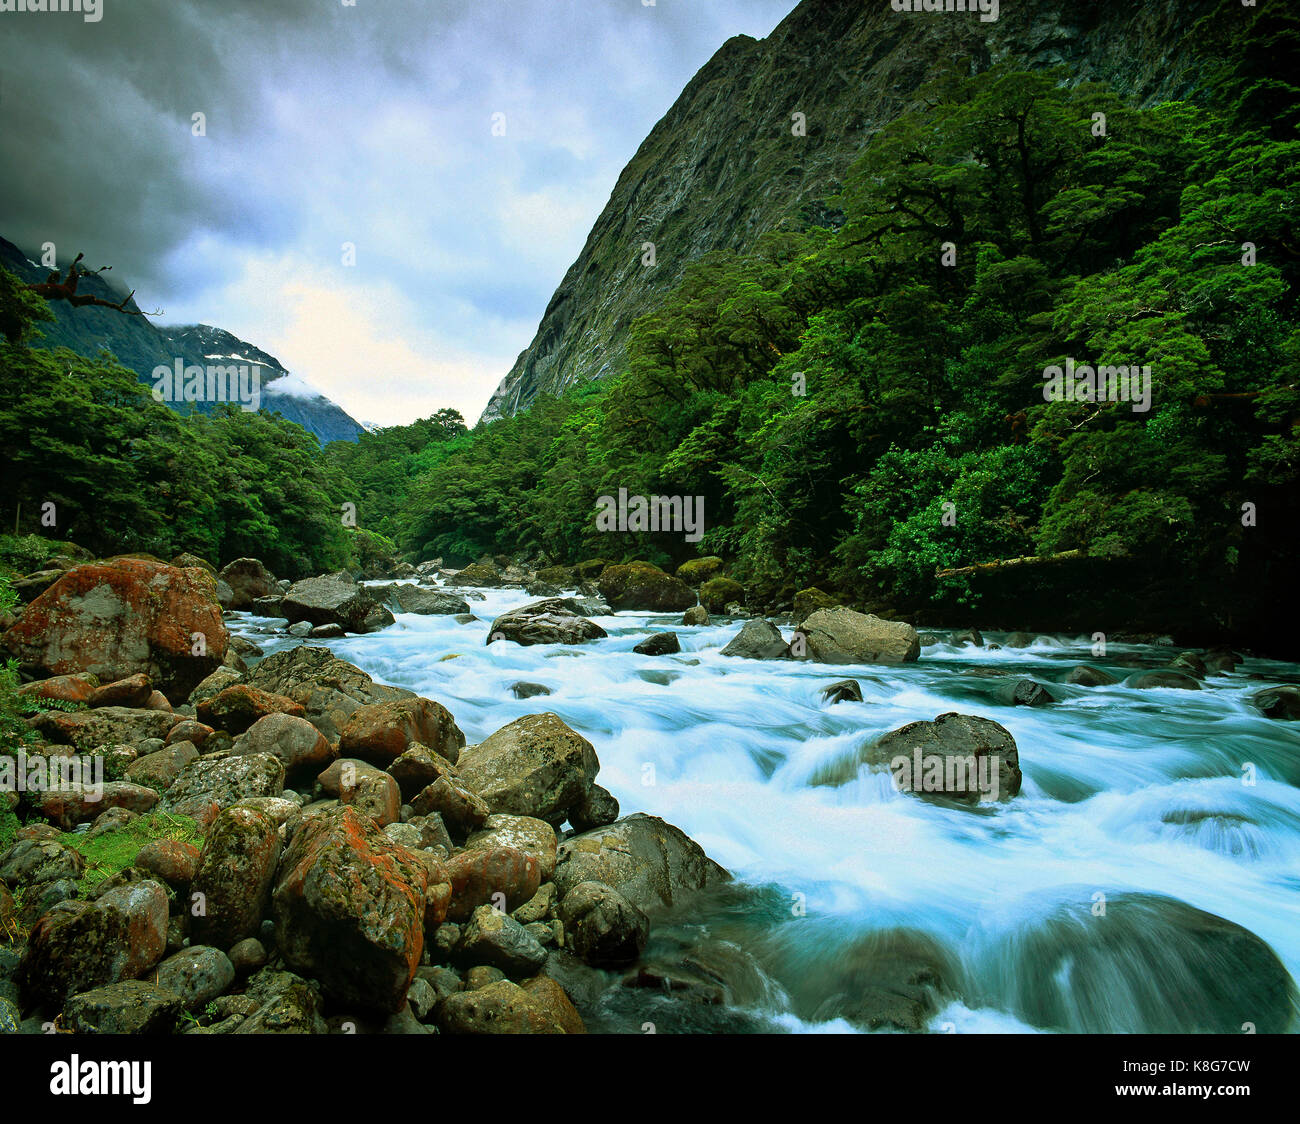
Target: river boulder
(1087,676)
(408,598)
(329,689)
(845,690)
(295,741)
(639,586)
(1180,969)
(225,781)
(695,571)
(1163,677)
(502,1007)
(237,707)
(121,618)
(602,926)
(236,870)
(79,945)
(535,766)
(844,636)
(248,580)
(956,757)
(334,599)
(349,908)
(478,875)
(651,863)
(555,620)
(659,644)
(1282,703)
(758,640)
(717,593)
(523,833)
(382,732)
(483,574)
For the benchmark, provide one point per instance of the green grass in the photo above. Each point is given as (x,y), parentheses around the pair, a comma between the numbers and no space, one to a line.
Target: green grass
(113,851)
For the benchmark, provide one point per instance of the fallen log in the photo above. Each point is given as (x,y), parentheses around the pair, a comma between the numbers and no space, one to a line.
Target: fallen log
(1007,563)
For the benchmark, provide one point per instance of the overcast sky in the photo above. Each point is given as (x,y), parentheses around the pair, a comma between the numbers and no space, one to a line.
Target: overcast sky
(330,123)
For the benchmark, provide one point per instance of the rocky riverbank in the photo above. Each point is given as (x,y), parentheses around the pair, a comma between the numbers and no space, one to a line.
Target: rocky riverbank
(283,844)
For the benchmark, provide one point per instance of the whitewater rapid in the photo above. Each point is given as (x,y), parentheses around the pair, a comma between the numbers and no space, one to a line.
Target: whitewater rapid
(1124,790)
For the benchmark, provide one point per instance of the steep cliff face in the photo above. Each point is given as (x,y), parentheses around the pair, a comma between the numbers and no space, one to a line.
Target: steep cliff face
(141,346)
(725,164)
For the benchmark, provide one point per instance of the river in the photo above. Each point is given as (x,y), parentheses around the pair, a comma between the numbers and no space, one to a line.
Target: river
(1033,911)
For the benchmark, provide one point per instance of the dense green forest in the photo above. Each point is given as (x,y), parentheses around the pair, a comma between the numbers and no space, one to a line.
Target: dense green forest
(830,393)
(860,407)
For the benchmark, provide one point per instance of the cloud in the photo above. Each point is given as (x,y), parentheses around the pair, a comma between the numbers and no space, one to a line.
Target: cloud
(329,124)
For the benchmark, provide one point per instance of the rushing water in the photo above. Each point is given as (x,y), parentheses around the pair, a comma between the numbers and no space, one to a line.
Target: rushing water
(1029,906)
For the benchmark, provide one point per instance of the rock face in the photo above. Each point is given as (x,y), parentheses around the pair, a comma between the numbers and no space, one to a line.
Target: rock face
(349,910)
(329,689)
(939,757)
(641,586)
(248,580)
(651,863)
(333,600)
(536,766)
(125,617)
(843,636)
(856,67)
(556,620)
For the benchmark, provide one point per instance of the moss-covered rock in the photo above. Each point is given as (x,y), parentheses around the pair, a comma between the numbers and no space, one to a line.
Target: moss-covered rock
(696,571)
(349,910)
(717,593)
(808,601)
(641,586)
(234,877)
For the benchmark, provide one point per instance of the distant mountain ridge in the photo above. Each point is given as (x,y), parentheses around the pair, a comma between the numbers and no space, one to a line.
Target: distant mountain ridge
(724,167)
(141,346)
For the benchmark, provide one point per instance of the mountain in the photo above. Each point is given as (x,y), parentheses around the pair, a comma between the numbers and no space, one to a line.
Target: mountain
(724,165)
(142,346)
